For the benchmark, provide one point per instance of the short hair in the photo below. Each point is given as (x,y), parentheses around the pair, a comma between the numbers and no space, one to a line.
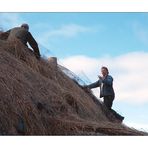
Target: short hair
(103,67)
(26,26)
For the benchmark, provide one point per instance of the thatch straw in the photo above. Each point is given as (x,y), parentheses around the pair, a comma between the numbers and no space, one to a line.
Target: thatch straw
(37,99)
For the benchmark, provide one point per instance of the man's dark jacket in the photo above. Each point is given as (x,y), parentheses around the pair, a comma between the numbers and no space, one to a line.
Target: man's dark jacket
(24,36)
(106,86)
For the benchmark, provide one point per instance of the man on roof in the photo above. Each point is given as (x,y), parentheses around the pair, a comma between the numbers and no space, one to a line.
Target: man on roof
(105,83)
(22,33)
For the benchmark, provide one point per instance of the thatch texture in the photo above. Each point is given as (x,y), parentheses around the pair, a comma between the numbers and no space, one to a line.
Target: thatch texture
(38,99)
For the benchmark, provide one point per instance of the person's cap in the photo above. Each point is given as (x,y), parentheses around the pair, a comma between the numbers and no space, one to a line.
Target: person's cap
(26,26)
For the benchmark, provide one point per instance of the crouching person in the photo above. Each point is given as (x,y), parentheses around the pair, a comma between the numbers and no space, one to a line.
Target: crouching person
(22,33)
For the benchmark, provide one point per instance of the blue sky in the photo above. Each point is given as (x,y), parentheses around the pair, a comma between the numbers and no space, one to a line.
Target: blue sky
(106,33)
(85,41)
(103,34)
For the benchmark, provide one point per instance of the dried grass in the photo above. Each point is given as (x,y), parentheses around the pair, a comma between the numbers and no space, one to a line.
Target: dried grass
(37,99)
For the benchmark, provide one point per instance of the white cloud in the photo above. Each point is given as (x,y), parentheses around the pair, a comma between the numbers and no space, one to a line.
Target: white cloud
(66,31)
(130,73)
(9,20)
(81,63)
(138,126)
(69,30)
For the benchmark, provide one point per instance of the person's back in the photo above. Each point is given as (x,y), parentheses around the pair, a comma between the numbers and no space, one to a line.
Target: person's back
(22,33)
(19,33)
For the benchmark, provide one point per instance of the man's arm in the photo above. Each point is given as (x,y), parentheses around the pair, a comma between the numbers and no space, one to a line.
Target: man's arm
(34,45)
(94,85)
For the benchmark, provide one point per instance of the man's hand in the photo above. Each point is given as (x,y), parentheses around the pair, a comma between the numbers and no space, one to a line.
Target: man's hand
(86,88)
(37,56)
(100,77)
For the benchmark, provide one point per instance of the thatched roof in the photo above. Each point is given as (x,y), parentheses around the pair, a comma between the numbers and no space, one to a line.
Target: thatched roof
(39,99)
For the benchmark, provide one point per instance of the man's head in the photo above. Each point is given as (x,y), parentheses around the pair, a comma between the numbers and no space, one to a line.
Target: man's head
(25,26)
(104,71)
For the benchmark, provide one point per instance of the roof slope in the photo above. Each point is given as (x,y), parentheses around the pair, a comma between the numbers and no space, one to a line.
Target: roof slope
(37,98)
